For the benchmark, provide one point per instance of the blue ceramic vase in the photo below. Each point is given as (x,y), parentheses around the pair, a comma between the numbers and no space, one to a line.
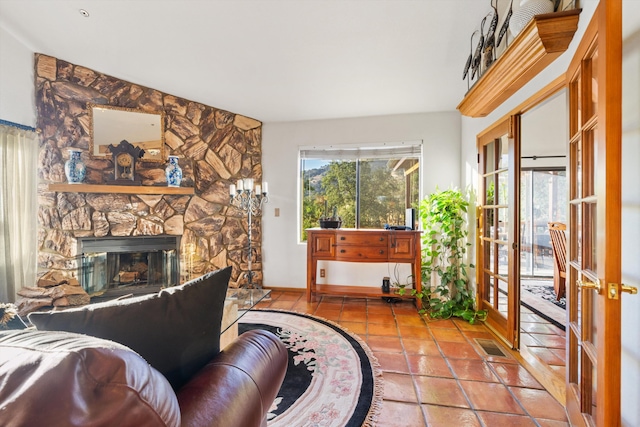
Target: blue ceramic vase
(74,168)
(173,172)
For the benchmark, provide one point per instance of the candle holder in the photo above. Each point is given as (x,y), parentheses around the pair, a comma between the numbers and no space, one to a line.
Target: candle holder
(250,199)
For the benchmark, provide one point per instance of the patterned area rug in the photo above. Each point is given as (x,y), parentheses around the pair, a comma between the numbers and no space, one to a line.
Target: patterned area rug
(332,379)
(544,290)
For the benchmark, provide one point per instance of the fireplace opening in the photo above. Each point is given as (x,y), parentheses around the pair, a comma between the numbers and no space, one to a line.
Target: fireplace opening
(113,266)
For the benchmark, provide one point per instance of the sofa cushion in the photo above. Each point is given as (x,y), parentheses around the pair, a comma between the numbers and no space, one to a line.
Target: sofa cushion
(177,330)
(64,379)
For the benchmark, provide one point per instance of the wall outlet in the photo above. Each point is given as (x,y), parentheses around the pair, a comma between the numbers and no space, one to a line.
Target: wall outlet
(322,272)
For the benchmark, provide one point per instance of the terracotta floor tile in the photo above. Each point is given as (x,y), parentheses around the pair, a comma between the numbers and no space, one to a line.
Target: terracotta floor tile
(440,391)
(392,362)
(389,330)
(471,335)
(328,314)
(472,370)
(404,308)
(282,305)
(410,321)
(289,296)
(547,356)
(424,346)
(463,325)
(330,299)
(515,375)
(355,327)
(491,397)
(441,334)
(442,416)
(495,419)
(399,387)
(400,414)
(384,344)
(550,341)
(539,403)
(537,328)
(433,366)
(442,324)
(530,341)
(353,317)
(414,331)
(379,310)
(552,423)
(458,350)
(382,319)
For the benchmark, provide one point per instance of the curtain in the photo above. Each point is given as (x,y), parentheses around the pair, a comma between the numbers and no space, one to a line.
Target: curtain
(18,210)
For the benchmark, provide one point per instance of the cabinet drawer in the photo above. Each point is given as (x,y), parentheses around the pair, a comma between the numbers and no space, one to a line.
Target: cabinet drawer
(364,239)
(355,253)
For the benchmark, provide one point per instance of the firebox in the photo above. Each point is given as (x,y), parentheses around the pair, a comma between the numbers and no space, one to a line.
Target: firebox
(122,265)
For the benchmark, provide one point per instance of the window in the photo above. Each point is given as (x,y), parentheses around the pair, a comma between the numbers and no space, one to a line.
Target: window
(366,187)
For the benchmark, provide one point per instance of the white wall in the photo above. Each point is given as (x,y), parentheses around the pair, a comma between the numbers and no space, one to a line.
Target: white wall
(17,100)
(631,228)
(284,258)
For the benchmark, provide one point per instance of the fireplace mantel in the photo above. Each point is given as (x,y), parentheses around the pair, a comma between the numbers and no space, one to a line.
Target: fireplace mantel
(121,189)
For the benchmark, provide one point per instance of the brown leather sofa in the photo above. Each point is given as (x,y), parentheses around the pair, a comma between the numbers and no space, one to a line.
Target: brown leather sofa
(51,378)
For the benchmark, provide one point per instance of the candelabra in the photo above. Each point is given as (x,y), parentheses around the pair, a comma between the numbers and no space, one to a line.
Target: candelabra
(248,198)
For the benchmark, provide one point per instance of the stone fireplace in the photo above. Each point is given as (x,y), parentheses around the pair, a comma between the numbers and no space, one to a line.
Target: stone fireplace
(128,265)
(215,147)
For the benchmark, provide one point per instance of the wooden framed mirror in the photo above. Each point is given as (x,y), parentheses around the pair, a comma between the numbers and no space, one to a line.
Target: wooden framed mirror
(111,125)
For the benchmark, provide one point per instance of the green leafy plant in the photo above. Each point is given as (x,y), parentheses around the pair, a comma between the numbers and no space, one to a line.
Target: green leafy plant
(444,240)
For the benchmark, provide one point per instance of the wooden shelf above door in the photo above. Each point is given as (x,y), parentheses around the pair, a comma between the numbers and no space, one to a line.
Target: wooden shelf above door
(544,38)
(119,189)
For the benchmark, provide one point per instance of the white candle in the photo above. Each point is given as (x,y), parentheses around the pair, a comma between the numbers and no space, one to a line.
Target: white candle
(258,189)
(232,189)
(265,187)
(248,184)
(239,185)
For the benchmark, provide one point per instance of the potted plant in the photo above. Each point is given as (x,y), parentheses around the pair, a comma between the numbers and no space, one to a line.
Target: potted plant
(447,291)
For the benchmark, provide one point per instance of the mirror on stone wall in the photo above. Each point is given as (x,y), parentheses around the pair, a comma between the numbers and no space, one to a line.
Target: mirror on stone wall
(111,125)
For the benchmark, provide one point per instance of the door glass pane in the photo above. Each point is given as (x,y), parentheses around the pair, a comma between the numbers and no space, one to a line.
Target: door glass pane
(503,297)
(578,237)
(593,65)
(503,149)
(589,234)
(491,292)
(503,260)
(503,188)
(490,189)
(489,157)
(503,224)
(588,164)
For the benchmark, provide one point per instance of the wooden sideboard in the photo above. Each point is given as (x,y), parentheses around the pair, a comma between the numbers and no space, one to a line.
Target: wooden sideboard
(361,245)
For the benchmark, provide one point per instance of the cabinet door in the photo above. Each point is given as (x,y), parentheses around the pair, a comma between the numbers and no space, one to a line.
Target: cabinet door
(402,247)
(323,244)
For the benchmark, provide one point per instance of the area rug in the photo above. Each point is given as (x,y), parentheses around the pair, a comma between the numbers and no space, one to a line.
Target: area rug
(332,380)
(544,290)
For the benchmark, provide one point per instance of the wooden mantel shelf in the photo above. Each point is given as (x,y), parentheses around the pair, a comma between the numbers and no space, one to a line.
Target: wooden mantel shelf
(119,189)
(544,38)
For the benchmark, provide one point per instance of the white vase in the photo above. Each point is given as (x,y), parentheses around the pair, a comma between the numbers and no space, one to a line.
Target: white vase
(528,9)
(173,172)
(74,169)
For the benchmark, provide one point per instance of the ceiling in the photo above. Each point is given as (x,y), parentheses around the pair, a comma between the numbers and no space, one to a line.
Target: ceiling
(273,60)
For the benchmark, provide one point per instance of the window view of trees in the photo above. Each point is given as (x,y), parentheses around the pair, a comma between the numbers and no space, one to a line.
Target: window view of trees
(365,193)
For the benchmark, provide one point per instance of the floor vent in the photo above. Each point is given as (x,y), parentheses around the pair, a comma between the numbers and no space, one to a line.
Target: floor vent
(490,347)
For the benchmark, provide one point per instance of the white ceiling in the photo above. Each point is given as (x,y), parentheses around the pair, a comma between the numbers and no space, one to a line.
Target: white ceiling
(273,60)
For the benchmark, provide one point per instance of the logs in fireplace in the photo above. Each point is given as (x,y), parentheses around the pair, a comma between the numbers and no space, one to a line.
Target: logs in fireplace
(114,266)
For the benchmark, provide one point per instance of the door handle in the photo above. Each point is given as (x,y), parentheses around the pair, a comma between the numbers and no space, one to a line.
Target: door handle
(615,289)
(589,285)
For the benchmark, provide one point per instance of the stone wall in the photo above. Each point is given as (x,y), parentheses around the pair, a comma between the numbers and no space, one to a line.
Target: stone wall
(215,147)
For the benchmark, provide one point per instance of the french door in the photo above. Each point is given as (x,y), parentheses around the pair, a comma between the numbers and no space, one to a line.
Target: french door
(594,236)
(498,269)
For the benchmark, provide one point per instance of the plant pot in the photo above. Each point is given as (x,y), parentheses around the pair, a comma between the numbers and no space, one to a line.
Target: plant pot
(330,223)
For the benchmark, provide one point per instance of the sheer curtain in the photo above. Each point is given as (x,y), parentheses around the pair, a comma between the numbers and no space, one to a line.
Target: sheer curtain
(18,210)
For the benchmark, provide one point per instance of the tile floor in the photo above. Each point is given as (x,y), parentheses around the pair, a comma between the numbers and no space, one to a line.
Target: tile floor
(435,373)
